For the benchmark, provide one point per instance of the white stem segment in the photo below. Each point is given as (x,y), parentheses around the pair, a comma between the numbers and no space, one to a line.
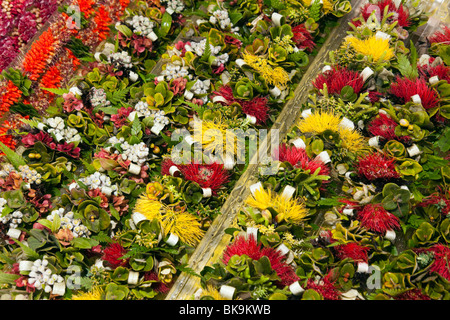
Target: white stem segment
(296,288)
(227,292)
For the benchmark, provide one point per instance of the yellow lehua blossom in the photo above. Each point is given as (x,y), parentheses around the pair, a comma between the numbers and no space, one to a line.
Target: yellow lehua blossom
(96,293)
(181,223)
(274,76)
(376,47)
(321,121)
(288,209)
(214,136)
(212,292)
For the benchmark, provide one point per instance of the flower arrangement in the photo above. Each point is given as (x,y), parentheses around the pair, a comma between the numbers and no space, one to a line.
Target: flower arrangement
(89,181)
(376,202)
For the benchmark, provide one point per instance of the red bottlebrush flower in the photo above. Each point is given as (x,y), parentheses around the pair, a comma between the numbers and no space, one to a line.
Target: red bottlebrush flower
(353,251)
(384,126)
(211,175)
(257,107)
(404,89)
(440,264)
(374,96)
(337,78)
(158,286)
(113,254)
(375,218)
(121,118)
(325,287)
(166,164)
(437,199)
(252,249)
(376,166)
(302,38)
(441,36)
(298,158)
(429,70)
(400,13)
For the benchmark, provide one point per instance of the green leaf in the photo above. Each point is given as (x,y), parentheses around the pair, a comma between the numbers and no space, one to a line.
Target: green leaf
(13,157)
(136,126)
(166,24)
(8,278)
(30,253)
(56,223)
(406,68)
(84,243)
(57,91)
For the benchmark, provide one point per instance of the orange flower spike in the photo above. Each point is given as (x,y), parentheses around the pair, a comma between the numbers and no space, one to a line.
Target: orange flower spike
(102,21)
(11,96)
(39,55)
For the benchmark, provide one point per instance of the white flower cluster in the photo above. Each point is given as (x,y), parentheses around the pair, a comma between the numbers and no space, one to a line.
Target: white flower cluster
(142,109)
(221,59)
(42,277)
(221,17)
(199,48)
(201,87)
(59,130)
(173,71)
(159,116)
(13,219)
(137,153)
(143,26)
(100,181)
(68,222)
(120,59)
(172,6)
(98,97)
(30,175)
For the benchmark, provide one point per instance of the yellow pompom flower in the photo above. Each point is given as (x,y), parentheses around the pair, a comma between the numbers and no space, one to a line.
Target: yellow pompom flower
(288,209)
(96,293)
(274,76)
(376,47)
(183,224)
(215,136)
(321,121)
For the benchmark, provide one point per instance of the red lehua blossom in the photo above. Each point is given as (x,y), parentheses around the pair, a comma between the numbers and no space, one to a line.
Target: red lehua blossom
(376,166)
(441,264)
(298,158)
(384,126)
(257,108)
(413,294)
(440,70)
(166,164)
(441,36)
(437,199)
(211,175)
(158,286)
(302,38)
(353,251)
(374,96)
(337,78)
(113,253)
(252,249)
(401,13)
(325,287)
(405,88)
(375,218)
